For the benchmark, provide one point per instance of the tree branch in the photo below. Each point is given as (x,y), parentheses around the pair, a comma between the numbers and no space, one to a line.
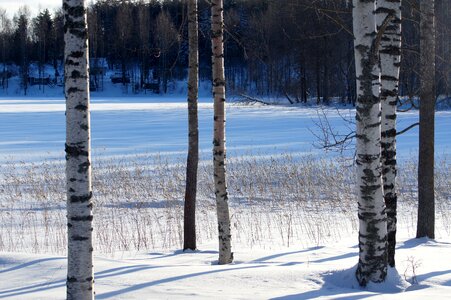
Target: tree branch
(252,99)
(380,33)
(329,139)
(407,129)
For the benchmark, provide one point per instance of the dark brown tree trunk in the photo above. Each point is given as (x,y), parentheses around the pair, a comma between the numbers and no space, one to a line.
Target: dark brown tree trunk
(426,201)
(193,130)
(326,83)
(318,81)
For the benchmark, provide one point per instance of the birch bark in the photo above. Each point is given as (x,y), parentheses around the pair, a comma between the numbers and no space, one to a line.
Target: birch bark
(80,278)
(193,130)
(372,265)
(390,58)
(426,200)
(219,149)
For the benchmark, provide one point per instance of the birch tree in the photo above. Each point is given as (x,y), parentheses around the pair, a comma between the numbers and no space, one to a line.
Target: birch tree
(78,152)
(390,58)
(219,149)
(426,201)
(372,265)
(193,130)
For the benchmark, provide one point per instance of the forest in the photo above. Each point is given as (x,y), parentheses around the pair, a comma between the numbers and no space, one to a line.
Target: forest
(295,49)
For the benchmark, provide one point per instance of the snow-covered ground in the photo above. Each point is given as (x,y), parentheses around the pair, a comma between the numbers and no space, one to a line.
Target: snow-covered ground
(304,261)
(323,272)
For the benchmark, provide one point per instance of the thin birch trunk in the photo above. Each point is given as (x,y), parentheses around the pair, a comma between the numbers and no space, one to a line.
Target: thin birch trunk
(80,278)
(219,149)
(426,201)
(193,130)
(390,57)
(372,265)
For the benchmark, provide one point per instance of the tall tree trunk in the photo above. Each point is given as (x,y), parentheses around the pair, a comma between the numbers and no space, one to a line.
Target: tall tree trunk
(426,201)
(219,149)
(80,279)
(390,56)
(326,100)
(318,81)
(326,79)
(25,64)
(193,130)
(372,265)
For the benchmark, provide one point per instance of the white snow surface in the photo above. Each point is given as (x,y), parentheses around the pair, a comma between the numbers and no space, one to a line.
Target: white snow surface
(322,272)
(32,130)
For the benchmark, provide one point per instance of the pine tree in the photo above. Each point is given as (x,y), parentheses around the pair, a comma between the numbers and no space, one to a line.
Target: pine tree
(78,152)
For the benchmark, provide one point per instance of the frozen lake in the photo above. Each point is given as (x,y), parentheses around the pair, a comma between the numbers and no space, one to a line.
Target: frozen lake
(34,129)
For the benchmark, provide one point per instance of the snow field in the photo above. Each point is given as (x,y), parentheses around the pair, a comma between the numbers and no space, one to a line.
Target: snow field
(324,272)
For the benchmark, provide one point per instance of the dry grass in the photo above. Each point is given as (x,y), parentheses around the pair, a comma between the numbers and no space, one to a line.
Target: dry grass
(281,200)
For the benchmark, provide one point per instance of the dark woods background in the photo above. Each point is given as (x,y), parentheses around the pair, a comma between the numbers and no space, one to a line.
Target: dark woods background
(299,49)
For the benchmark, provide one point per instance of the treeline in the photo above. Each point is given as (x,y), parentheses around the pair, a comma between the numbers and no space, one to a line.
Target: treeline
(297,49)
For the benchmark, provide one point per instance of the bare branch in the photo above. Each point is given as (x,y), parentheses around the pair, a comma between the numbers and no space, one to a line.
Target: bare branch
(380,33)
(288,97)
(252,99)
(330,139)
(412,105)
(407,129)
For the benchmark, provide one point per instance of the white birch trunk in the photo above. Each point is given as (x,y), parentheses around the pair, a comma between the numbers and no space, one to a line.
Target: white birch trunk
(80,278)
(372,265)
(390,58)
(219,149)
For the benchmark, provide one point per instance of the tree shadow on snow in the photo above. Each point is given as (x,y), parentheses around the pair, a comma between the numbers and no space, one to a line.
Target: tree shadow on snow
(142,204)
(338,257)
(322,293)
(343,285)
(331,286)
(30,263)
(321,260)
(159,255)
(429,275)
(266,258)
(165,280)
(420,285)
(52,284)
(412,243)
